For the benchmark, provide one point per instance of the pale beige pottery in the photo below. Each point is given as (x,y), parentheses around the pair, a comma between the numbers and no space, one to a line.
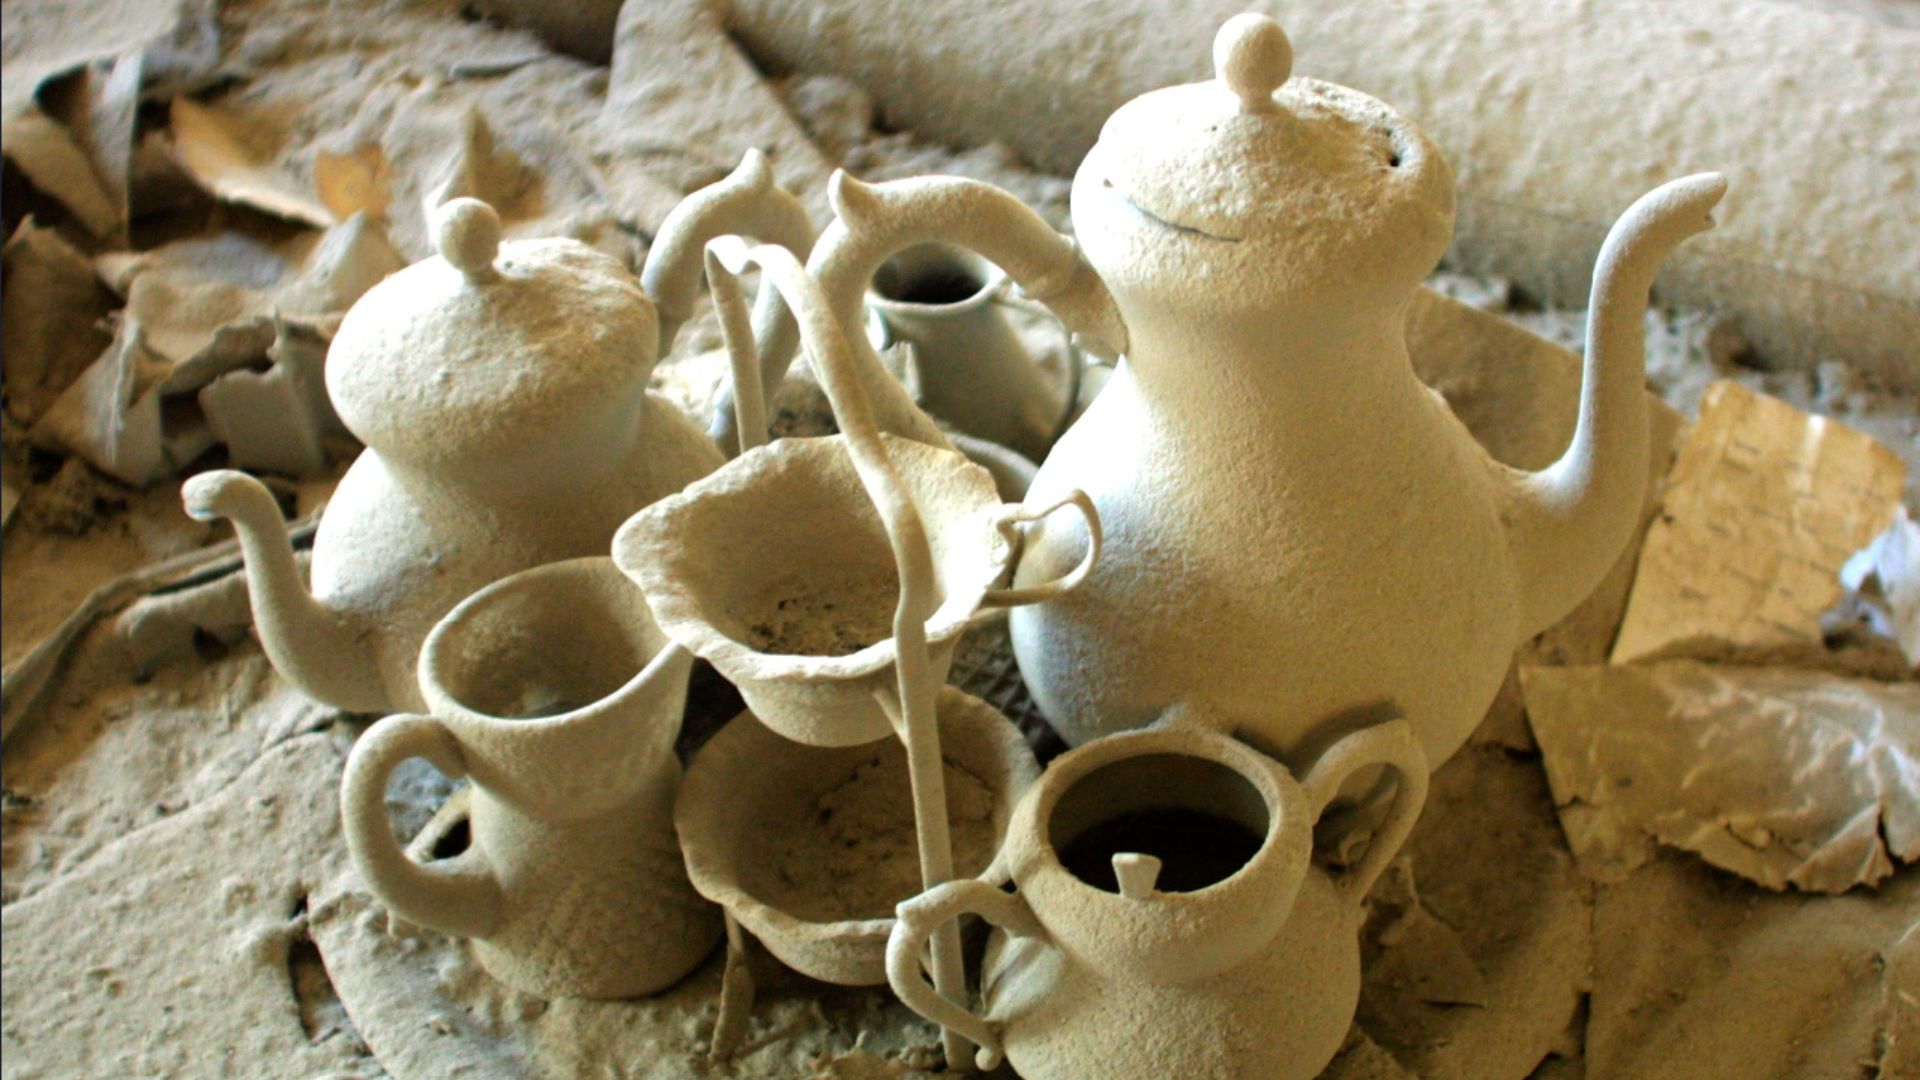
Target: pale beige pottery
(790,524)
(748,791)
(974,370)
(557,696)
(863,533)
(1297,527)
(501,390)
(1255,975)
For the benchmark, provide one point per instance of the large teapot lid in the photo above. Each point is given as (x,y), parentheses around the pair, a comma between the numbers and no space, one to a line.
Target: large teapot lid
(1259,181)
(489,345)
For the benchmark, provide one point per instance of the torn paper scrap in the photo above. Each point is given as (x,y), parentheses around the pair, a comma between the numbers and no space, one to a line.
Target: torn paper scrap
(1784,777)
(1763,506)
(111,415)
(223,154)
(57,166)
(49,334)
(1882,583)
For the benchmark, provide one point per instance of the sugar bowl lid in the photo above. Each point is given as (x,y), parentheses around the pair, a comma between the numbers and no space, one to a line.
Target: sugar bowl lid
(489,343)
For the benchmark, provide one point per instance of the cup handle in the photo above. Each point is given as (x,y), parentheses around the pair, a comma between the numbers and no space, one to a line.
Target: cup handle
(916,921)
(1047,590)
(457,896)
(1393,745)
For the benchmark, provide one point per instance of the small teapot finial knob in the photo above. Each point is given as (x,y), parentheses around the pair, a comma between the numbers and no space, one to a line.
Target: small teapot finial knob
(1252,55)
(467,234)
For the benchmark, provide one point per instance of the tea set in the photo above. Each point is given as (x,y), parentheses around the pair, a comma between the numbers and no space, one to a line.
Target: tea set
(1227,584)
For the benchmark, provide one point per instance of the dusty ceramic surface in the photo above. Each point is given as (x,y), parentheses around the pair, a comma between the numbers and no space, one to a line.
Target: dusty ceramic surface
(974,371)
(777,570)
(1229,954)
(749,793)
(1300,531)
(501,390)
(557,696)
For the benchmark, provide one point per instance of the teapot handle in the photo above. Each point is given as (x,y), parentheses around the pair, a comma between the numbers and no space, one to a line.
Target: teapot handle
(747,201)
(1393,745)
(1047,590)
(872,222)
(457,896)
(916,921)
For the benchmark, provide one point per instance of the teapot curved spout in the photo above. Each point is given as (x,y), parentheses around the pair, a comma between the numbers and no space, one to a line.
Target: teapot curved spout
(1572,519)
(312,646)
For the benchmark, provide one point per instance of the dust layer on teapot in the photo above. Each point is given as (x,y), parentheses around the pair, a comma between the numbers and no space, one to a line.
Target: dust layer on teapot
(1297,528)
(1166,876)
(500,388)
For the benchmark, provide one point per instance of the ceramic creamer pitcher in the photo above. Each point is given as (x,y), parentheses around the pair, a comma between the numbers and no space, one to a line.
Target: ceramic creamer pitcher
(1296,526)
(501,390)
(1168,919)
(557,696)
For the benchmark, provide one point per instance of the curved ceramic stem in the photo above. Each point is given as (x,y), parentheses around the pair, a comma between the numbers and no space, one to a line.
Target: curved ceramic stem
(315,648)
(456,896)
(749,404)
(913,709)
(1393,745)
(747,202)
(874,221)
(1066,583)
(924,915)
(1574,517)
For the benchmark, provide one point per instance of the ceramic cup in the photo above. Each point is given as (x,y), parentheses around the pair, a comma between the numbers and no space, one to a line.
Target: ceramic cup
(777,570)
(557,696)
(752,805)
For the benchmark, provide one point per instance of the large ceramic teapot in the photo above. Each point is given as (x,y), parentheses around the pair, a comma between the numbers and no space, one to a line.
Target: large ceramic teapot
(1299,533)
(501,391)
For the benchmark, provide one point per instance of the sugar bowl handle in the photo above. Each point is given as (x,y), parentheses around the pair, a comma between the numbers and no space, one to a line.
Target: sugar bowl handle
(1394,746)
(456,896)
(917,919)
(1013,516)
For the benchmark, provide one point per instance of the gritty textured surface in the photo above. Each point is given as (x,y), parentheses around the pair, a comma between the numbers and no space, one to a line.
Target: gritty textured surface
(149,789)
(1556,115)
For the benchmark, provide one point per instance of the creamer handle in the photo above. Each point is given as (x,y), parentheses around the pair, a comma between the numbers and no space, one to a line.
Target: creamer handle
(1066,583)
(456,896)
(916,920)
(1393,745)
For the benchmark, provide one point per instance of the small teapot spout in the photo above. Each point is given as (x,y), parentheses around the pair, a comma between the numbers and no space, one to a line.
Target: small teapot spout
(1572,518)
(1137,874)
(312,646)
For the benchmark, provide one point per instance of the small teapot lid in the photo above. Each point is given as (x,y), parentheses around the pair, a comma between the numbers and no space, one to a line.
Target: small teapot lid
(489,344)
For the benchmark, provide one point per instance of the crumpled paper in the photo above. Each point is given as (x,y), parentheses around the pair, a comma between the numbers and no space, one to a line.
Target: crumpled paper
(1787,778)
(224,153)
(1883,590)
(1764,505)
(221,339)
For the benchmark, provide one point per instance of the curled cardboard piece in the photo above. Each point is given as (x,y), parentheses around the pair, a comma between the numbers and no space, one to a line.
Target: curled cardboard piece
(1787,778)
(224,153)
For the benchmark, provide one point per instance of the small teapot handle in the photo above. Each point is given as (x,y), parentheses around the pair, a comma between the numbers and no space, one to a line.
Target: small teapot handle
(458,896)
(747,201)
(1012,516)
(916,921)
(1393,745)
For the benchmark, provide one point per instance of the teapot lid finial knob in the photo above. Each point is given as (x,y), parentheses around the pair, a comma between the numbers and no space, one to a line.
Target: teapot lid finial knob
(1253,57)
(467,234)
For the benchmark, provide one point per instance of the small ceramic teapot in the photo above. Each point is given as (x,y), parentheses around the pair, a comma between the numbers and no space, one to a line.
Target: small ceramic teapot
(501,390)
(557,695)
(1297,527)
(1168,919)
